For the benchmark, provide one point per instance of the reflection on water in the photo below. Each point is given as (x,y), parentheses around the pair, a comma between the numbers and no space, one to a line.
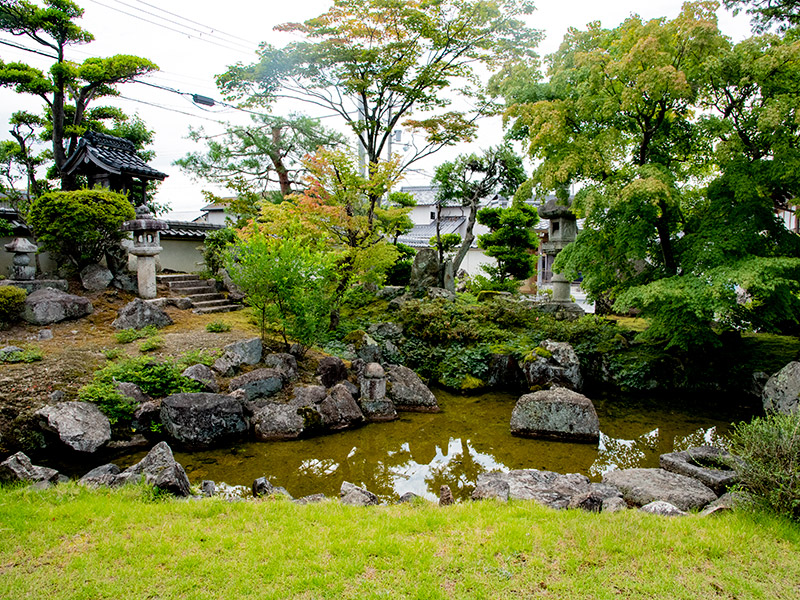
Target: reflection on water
(420,452)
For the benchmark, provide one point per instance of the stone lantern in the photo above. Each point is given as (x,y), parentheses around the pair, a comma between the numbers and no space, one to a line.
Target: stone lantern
(146,246)
(562,231)
(22,270)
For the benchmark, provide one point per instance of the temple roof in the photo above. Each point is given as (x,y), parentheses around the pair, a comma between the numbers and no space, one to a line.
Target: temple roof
(109,154)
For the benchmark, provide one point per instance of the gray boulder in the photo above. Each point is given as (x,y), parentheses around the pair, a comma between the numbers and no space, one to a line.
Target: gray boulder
(159,469)
(284,362)
(664,509)
(261,383)
(104,475)
(18,467)
(132,391)
(559,414)
(49,305)
(386,330)
(642,486)
(596,499)
(79,425)
(331,370)
(505,373)
(235,293)
(339,410)
(782,392)
(373,401)
(311,499)
(709,465)
(138,314)
(9,351)
(95,278)
(147,416)
(262,487)
(424,272)
(356,496)
(274,421)
(203,419)
(545,487)
(204,375)
(407,391)
(245,352)
(615,504)
(554,364)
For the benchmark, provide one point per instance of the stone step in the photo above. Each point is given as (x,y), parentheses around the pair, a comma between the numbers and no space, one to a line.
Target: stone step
(211,303)
(179,285)
(218,309)
(206,297)
(170,278)
(196,289)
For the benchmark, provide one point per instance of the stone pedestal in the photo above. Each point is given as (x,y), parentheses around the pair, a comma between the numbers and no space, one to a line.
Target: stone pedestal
(146,276)
(145,248)
(561,288)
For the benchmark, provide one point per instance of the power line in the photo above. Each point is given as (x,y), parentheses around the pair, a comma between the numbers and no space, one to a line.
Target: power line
(175,110)
(249,43)
(21,47)
(240,51)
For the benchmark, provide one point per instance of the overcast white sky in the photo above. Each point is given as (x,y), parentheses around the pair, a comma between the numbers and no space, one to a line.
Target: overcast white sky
(194,40)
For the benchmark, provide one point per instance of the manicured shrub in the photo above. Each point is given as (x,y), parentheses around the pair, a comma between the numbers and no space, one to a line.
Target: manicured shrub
(767,451)
(12,300)
(80,226)
(157,379)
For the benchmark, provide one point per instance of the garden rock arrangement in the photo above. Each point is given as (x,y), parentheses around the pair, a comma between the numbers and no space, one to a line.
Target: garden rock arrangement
(139,314)
(559,414)
(642,486)
(79,425)
(50,305)
(203,419)
(709,465)
(553,363)
(782,392)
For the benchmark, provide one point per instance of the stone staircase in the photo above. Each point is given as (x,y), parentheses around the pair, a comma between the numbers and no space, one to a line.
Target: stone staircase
(202,293)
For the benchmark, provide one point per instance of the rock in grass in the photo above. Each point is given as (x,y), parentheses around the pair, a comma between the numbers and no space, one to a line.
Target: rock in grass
(159,469)
(50,305)
(664,509)
(355,496)
(79,425)
(707,464)
(138,314)
(102,475)
(642,486)
(18,467)
(559,414)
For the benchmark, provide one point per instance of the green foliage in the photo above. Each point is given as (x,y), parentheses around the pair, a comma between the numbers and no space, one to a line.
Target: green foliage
(126,336)
(767,452)
(198,357)
(400,272)
(214,247)
(112,353)
(461,366)
(152,343)
(218,327)
(80,226)
(157,379)
(12,301)
(113,404)
(28,355)
(287,281)
(510,241)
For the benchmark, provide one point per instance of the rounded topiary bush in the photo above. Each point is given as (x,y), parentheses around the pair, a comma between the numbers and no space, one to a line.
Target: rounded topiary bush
(80,226)
(12,301)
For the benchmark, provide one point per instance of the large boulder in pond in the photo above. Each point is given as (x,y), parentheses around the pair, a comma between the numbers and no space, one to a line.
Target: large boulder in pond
(79,425)
(138,314)
(558,414)
(203,419)
(158,469)
(18,467)
(545,487)
(260,383)
(339,409)
(277,421)
(407,391)
(553,364)
(245,352)
(782,392)
(643,486)
(50,305)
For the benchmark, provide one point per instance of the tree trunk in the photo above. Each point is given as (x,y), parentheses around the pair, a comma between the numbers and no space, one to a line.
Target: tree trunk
(469,237)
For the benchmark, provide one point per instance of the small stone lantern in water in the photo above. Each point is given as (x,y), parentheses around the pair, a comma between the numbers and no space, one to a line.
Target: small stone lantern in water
(146,246)
(21,269)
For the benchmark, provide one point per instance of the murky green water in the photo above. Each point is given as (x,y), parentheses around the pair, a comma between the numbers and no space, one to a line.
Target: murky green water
(420,452)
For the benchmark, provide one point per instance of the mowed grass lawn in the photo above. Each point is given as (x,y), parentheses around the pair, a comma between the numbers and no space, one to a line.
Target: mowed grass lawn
(72,543)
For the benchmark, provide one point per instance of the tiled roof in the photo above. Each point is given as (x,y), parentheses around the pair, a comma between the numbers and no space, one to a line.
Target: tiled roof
(112,154)
(420,235)
(188,230)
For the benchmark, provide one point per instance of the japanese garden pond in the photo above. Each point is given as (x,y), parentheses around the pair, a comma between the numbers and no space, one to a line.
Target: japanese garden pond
(421,451)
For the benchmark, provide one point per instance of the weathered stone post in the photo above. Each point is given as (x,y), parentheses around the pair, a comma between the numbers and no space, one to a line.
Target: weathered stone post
(146,247)
(22,270)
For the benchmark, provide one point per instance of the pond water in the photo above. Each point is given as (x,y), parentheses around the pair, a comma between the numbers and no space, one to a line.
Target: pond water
(419,452)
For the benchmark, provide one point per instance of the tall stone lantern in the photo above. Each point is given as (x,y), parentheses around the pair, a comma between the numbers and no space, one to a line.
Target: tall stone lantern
(146,246)
(562,231)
